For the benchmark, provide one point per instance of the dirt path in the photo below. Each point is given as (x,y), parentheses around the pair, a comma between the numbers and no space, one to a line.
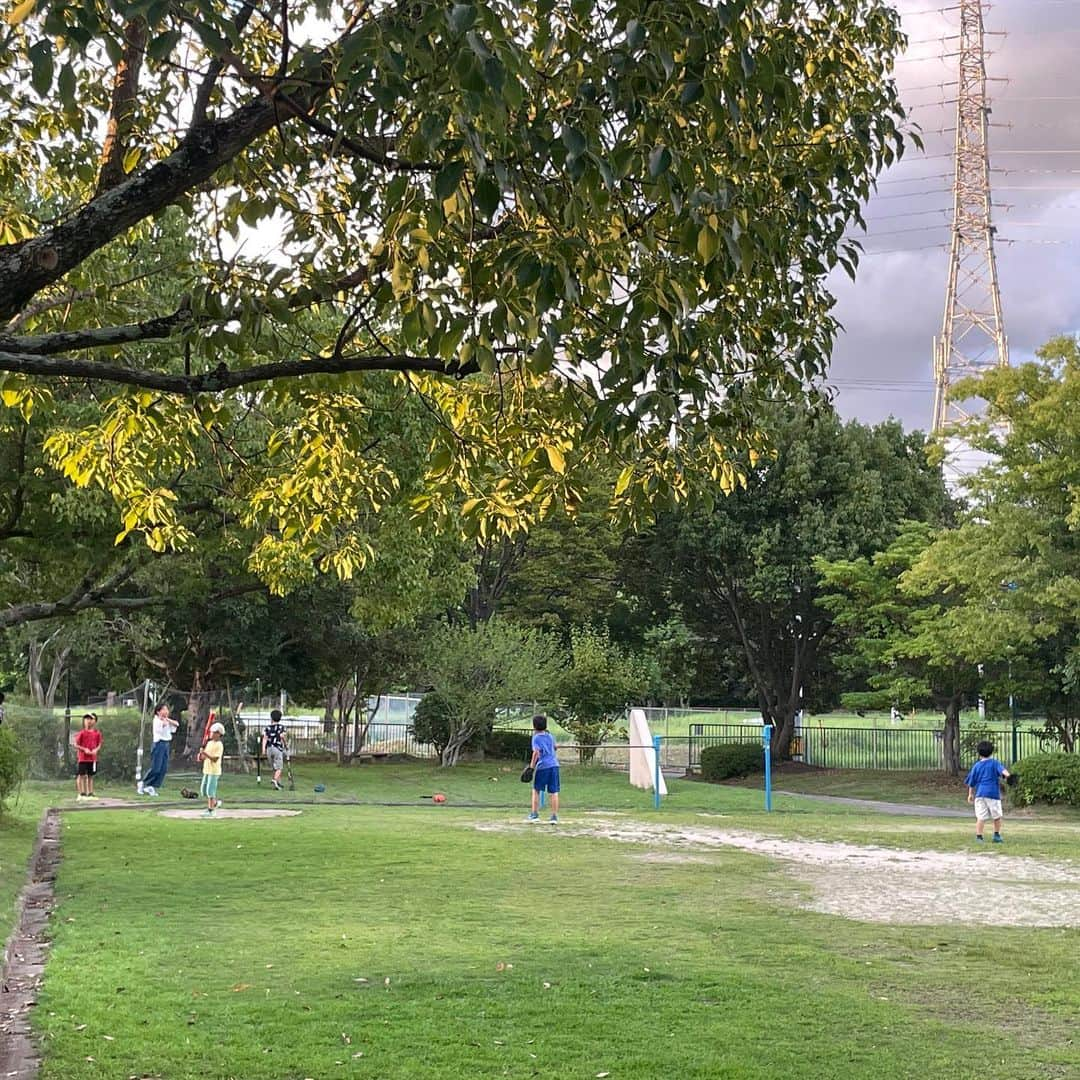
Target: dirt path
(876,884)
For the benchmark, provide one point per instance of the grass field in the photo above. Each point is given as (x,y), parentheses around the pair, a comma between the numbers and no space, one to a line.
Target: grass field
(420,941)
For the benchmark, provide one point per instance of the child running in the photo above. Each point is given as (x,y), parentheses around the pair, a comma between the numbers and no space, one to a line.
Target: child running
(88,744)
(211,755)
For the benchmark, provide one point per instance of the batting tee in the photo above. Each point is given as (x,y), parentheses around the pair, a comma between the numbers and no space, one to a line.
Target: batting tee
(644,772)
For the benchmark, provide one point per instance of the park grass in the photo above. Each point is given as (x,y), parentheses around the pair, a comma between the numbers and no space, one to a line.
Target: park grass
(19,821)
(370,941)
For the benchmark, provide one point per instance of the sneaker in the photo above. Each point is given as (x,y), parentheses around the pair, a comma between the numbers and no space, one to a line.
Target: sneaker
(979,839)
(277,785)
(553,820)
(533,817)
(997,838)
(79,797)
(208,813)
(139,788)
(152,792)
(91,795)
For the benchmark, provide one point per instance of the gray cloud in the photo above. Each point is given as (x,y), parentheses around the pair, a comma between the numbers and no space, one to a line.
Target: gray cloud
(882,363)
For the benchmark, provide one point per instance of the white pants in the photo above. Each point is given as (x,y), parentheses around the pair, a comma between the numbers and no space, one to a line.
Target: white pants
(985,809)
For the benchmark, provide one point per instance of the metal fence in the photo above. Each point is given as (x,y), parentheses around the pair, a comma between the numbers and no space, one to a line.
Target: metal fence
(913,749)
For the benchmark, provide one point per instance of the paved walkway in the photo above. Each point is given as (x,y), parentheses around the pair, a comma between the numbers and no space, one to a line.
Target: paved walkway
(908,809)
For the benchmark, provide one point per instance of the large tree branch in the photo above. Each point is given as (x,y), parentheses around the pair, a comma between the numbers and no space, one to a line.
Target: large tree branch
(86,595)
(102,337)
(121,115)
(222,377)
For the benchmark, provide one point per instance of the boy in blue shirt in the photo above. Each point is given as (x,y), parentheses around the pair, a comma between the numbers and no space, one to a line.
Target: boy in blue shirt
(984,789)
(546,769)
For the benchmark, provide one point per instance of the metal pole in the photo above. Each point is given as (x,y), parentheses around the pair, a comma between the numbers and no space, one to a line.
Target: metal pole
(142,728)
(767,733)
(656,771)
(1012,718)
(67,722)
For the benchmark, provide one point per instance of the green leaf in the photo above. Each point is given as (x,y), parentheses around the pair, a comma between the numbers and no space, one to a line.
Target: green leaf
(691,92)
(66,87)
(488,195)
(528,272)
(131,158)
(41,60)
(574,141)
(659,162)
(708,242)
(556,459)
(448,178)
(635,34)
(462,17)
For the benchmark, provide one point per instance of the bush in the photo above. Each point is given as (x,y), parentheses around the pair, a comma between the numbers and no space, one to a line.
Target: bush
(40,736)
(1047,778)
(433,722)
(509,745)
(725,760)
(11,764)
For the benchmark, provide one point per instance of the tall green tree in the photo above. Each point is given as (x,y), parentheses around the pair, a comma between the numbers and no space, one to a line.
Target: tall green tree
(470,198)
(906,641)
(1015,558)
(744,572)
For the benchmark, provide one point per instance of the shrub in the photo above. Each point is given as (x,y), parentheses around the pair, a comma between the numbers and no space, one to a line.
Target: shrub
(725,760)
(509,745)
(11,764)
(433,722)
(1047,778)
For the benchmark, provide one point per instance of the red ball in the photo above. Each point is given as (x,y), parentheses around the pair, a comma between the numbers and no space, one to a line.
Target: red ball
(438,797)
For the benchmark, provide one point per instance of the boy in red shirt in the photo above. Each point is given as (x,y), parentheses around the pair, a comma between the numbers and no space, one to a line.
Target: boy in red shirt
(88,743)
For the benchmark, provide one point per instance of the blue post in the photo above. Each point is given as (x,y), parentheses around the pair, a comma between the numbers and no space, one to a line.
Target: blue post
(656,774)
(767,732)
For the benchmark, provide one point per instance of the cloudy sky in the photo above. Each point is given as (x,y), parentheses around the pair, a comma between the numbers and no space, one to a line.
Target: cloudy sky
(882,363)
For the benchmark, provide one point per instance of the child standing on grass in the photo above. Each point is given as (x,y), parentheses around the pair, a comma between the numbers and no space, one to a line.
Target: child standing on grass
(545,765)
(211,755)
(984,789)
(88,744)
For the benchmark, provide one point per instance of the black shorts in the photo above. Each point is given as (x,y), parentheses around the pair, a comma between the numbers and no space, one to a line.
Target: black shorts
(85,768)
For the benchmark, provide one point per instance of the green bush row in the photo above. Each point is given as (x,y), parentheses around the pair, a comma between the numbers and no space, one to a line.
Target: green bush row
(1047,778)
(11,763)
(509,745)
(725,760)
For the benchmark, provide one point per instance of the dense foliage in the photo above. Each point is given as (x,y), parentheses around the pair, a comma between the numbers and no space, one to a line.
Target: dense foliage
(725,761)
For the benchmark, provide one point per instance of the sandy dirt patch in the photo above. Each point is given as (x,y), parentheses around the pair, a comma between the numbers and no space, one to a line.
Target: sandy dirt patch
(225,813)
(877,884)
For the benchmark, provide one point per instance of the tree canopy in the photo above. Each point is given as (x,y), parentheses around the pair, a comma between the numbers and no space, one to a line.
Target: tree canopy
(567,227)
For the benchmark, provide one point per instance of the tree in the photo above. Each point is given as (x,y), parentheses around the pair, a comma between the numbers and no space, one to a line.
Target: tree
(595,688)
(907,643)
(744,572)
(477,672)
(1014,557)
(472,198)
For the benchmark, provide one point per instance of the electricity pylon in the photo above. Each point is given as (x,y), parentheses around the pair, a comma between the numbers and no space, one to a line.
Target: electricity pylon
(973,331)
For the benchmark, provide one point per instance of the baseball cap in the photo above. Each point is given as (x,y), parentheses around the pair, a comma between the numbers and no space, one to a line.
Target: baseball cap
(218,727)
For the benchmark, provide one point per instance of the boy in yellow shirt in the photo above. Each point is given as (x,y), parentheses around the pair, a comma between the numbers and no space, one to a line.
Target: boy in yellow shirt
(211,755)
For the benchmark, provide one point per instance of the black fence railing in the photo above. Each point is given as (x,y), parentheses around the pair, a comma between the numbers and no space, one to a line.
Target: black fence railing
(913,749)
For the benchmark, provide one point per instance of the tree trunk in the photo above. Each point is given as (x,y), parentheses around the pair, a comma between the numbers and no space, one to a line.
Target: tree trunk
(198,710)
(950,742)
(59,666)
(33,672)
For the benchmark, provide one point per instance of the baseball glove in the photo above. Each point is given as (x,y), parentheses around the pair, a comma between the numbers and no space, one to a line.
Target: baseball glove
(187,793)
(527,774)
(1012,779)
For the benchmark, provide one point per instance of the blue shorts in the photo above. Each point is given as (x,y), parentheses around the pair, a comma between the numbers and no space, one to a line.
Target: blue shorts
(547,780)
(209,786)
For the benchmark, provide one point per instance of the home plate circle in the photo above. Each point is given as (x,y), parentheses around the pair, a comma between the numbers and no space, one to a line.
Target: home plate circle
(226,813)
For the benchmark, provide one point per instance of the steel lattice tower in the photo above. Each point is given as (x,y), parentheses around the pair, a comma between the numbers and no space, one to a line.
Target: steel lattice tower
(973,331)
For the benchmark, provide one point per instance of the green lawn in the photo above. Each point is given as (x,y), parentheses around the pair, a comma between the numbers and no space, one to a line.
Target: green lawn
(402,942)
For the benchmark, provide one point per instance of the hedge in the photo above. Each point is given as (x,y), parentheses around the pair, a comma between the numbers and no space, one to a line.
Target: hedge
(11,764)
(725,760)
(1047,778)
(509,745)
